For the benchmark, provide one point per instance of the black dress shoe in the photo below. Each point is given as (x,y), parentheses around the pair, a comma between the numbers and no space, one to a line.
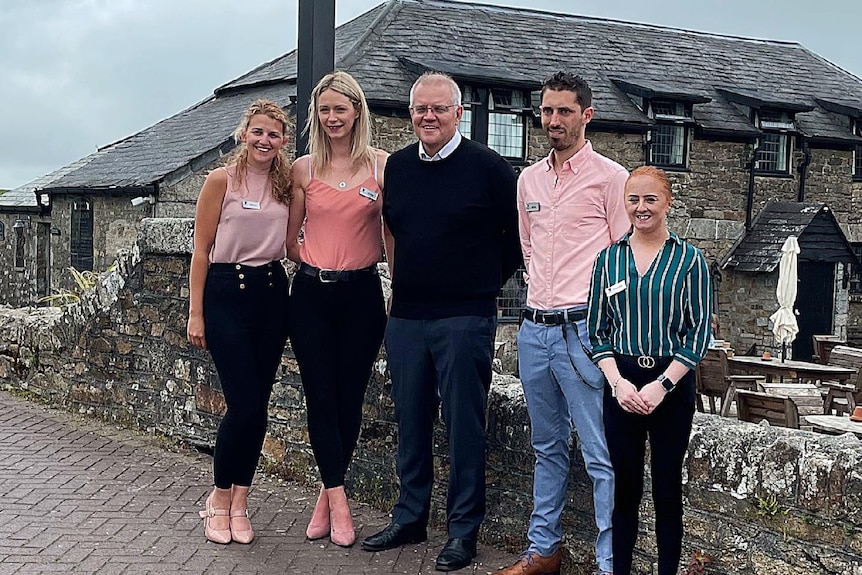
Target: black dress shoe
(456,554)
(393,536)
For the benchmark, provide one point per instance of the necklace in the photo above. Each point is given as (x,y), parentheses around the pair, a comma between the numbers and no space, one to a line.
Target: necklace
(342,185)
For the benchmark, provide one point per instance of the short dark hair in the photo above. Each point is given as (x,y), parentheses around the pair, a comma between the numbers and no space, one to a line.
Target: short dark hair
(571,83)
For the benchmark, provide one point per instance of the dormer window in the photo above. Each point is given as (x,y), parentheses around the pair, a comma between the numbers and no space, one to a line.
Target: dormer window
(497,117)
(775,146)
(669,138)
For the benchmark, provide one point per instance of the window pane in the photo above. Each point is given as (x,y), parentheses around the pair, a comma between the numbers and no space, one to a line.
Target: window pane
(466,125)
(81,239)
(506,134)
(668,145)
(857,163)
(512,298)
(773,153)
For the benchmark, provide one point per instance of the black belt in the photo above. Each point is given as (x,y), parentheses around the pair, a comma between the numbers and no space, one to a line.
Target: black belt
(331,276)
(542,317)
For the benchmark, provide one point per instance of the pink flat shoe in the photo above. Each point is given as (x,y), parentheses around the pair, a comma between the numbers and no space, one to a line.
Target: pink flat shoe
(221,536)
(240,533)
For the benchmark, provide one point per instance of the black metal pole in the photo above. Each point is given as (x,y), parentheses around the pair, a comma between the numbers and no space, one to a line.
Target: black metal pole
(315,57)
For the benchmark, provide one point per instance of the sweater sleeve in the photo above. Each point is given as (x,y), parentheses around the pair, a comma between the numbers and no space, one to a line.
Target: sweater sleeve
(506,182)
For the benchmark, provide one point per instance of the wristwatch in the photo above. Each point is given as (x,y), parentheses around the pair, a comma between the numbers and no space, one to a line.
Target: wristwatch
(666,382)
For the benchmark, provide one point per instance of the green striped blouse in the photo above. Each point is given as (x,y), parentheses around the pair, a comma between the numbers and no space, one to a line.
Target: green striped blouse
(662,314)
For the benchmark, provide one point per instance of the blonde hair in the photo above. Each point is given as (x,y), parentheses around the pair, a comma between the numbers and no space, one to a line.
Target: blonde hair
(279,171)
(319,147)
(657,174)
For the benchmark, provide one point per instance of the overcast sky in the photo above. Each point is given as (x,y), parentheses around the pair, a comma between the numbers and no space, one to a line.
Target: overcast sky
(80,74)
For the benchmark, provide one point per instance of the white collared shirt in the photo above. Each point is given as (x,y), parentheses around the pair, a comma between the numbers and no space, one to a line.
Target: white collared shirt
(444,152)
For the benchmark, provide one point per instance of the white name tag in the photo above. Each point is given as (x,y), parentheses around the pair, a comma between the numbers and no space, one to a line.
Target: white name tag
(370,194)
(533,206)
(616,288)
(248,205)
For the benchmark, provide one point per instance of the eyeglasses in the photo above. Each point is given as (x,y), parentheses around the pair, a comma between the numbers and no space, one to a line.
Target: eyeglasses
(436,110)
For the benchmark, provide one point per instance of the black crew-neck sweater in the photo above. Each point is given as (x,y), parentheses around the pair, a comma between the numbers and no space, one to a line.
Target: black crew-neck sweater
(455,224)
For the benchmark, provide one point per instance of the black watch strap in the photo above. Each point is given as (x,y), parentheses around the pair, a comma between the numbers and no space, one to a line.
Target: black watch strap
(666,382)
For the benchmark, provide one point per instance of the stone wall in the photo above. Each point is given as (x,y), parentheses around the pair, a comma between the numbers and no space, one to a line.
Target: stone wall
(18,285)
(758,500)
(115,227)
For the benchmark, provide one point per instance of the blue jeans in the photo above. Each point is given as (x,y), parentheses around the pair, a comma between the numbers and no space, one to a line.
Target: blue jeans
(560,396)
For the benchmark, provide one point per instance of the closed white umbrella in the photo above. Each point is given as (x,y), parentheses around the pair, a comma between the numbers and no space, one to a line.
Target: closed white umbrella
(784,325)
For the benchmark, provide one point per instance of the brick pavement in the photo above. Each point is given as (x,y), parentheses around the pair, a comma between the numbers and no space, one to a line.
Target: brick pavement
(80,496)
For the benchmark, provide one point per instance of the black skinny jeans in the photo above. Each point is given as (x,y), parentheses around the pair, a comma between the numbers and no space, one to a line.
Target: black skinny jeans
(336,332)
(668,429)
(245,319)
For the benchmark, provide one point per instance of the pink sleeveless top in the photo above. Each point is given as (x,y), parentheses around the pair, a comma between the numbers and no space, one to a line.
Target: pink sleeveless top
(343,228)
(252,227)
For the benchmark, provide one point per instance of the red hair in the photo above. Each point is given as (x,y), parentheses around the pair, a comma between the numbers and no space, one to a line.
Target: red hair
(655,173)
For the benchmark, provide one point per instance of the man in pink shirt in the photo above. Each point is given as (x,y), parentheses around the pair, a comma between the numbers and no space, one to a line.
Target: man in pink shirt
(571,206)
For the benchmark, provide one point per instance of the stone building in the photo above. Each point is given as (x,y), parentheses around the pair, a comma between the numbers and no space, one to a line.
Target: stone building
(737,122)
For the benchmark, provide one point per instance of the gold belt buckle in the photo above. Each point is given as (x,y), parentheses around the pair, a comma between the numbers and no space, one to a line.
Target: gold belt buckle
(646,362)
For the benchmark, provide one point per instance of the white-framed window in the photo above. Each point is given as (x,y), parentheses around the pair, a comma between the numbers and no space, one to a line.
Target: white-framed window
(776,145)
(669,138)
(498,118)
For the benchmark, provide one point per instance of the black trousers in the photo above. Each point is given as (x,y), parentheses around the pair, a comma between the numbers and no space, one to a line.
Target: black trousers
(245,319)
(336,332)
(667,429)
(438,361)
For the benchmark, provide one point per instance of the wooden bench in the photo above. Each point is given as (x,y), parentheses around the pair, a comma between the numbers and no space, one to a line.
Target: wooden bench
(714,381)
(823,345)
(754,407)
(842,398)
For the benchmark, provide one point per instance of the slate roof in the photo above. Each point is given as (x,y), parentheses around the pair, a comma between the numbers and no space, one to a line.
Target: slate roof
(23,198)
(148,156)
(820,237)
(383,47)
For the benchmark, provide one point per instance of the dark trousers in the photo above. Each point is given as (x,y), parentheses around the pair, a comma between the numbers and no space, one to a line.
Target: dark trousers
(438,361)
(667,429)
(336,331)
(245,319)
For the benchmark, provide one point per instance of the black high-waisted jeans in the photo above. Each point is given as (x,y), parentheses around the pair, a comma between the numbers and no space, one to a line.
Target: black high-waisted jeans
(667,429)
(245,320)
(336,331)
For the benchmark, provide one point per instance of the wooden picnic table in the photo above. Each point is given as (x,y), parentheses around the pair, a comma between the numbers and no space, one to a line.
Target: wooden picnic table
(834,424)
(804,371)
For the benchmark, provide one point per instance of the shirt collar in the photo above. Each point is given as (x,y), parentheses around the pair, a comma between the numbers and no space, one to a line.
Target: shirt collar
(444,152)
(580,158)
(672,237)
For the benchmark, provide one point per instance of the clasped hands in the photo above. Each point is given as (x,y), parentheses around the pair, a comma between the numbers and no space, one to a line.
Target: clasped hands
(641,402)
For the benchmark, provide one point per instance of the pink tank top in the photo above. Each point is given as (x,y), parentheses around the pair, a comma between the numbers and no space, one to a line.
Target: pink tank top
(343,228)
(252,227)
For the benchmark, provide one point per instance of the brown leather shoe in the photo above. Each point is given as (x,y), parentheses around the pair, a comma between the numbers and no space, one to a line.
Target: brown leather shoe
(531,563)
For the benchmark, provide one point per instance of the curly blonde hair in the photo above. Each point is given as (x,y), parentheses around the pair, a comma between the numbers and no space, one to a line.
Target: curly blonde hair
(279,171)
(361,152)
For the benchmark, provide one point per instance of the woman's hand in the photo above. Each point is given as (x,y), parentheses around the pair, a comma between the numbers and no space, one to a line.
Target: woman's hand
(195,331)
(629,399)
(652,395)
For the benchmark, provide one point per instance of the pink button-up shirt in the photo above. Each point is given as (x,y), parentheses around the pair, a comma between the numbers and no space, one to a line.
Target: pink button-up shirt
(565,221)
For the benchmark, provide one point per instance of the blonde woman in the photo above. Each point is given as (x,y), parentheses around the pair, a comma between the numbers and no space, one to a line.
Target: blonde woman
(238,303)
(337,310)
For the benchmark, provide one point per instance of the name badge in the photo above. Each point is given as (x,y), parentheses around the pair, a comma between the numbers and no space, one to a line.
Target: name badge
(249,205)
(370,194)
(616,288)
(533,206)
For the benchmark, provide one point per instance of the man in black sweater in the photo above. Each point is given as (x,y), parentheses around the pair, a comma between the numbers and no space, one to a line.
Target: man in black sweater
(449,204)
